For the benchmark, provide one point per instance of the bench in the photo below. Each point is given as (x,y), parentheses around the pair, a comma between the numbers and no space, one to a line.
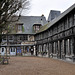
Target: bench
(4,59)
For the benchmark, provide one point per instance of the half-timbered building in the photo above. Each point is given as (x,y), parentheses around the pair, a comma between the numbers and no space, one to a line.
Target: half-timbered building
(57,38)
(19,39)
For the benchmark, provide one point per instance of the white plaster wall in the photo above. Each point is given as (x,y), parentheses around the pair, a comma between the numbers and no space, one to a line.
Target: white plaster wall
(2,53)
(12,53)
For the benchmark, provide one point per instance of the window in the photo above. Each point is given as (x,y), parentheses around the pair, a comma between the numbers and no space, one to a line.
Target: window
(10,37)
(25,37)
(4,37)
(12,49)
(20,38)
(37,28)
(19,27)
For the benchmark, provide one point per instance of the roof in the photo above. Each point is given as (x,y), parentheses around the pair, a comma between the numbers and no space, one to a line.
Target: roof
(53,14)
(28,22)
(45,27)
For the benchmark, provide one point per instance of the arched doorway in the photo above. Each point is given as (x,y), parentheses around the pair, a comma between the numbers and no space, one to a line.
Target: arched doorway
(27,50)
(19,52)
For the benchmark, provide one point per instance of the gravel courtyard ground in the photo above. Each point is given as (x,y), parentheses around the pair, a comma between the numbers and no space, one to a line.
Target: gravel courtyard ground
(36,66)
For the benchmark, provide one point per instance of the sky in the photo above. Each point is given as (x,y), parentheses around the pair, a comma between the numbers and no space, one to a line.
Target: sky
(39,7)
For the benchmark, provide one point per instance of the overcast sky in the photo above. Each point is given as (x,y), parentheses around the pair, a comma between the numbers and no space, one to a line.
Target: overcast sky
(39,7)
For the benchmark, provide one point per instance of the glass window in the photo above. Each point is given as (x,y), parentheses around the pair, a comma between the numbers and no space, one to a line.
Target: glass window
(4,37)
(20,27)
(10,37)
(37,27)
(12,49)
(26,37)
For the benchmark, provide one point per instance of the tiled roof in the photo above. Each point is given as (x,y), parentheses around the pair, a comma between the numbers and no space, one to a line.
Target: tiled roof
(45,27)
(28,22)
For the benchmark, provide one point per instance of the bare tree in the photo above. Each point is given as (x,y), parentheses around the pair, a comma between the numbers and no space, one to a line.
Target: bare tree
(8,8)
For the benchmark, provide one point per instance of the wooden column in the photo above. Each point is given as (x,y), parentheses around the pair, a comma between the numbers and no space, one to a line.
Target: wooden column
(9,50)
(73,41)
(23,49)
(6,50)
(59,50)
(42,49)
(48,51)
(64,49)
(52,46)
(52,49)
(16,50)
(45,47)
(36,49)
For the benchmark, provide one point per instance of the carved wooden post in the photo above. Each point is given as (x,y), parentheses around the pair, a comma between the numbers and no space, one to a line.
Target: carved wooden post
(23,49)
(48,51)
(73,41)
(36,49)
(59,54)
(52,49)
(9,50)
(64,48)
(16,50)
(42,49)
(6,50)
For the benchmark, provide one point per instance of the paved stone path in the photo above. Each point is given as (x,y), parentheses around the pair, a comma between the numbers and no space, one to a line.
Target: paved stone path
(37,66)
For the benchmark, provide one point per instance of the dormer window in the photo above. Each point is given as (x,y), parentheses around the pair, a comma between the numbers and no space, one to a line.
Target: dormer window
(36,27)
(19,27)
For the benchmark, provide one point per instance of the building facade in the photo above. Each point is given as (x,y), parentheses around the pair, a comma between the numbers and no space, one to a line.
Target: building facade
(19,39)
(57,38)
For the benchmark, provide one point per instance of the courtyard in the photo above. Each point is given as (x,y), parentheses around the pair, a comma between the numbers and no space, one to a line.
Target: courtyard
(36,66)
